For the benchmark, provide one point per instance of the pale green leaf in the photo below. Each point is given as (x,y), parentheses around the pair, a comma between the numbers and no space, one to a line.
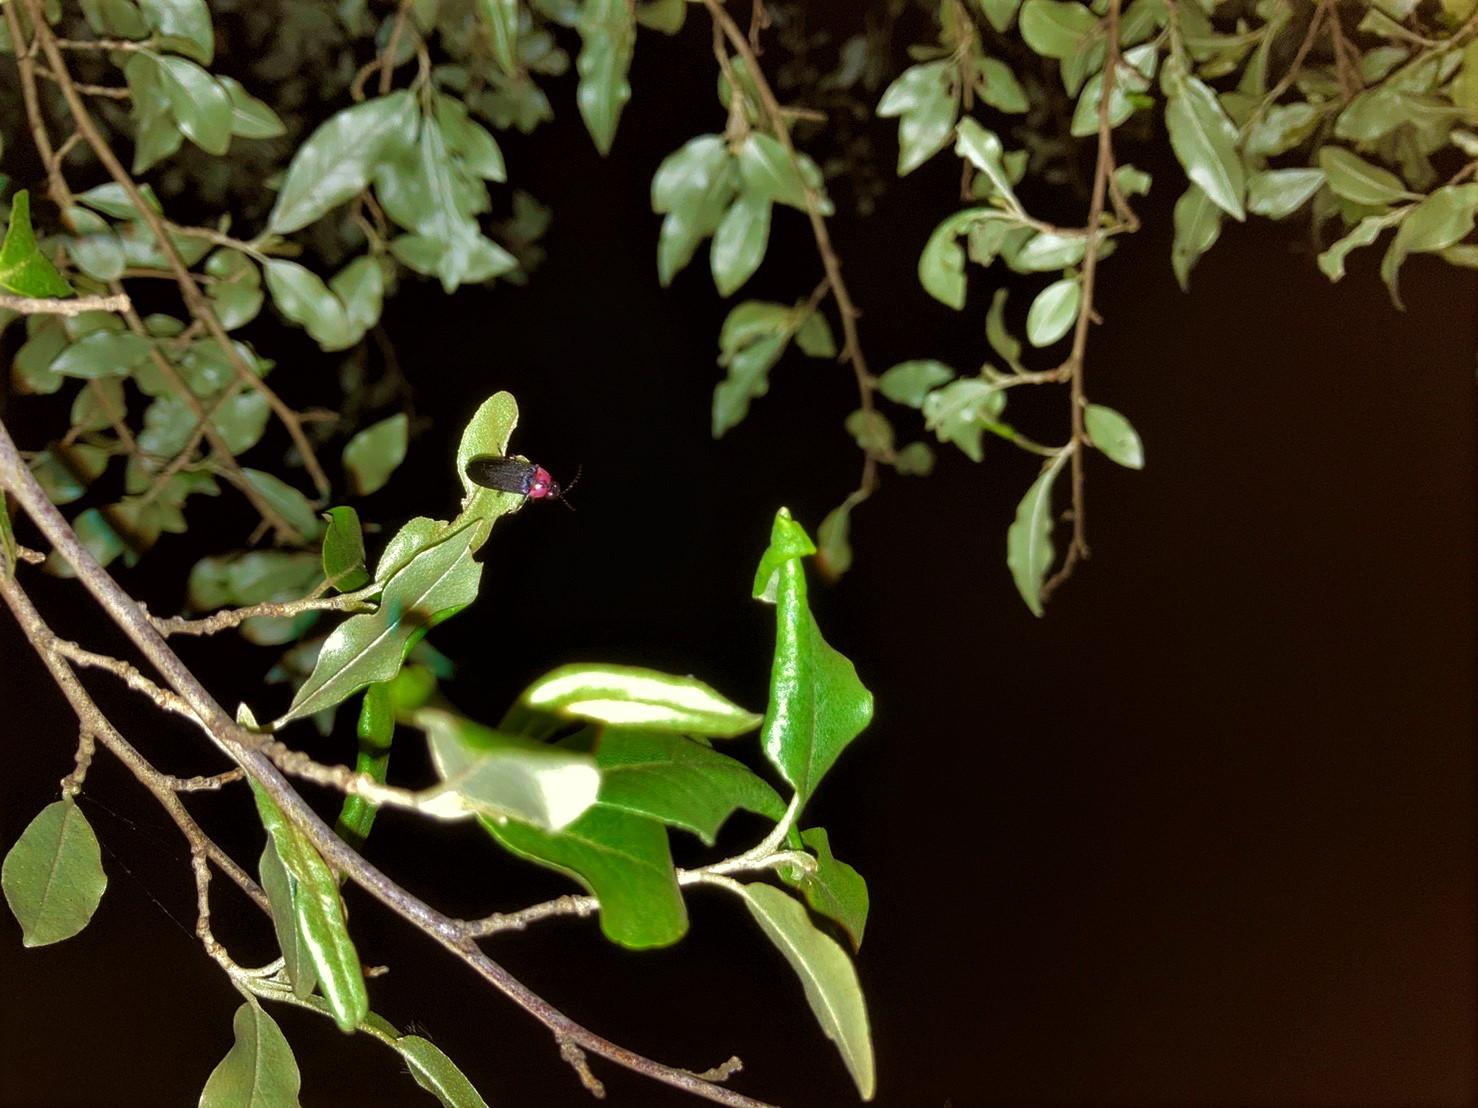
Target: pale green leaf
(1053,312)
(1114,435)
(1029,550)
(373,454)
(53,876)
(259,1071)
(1204,139)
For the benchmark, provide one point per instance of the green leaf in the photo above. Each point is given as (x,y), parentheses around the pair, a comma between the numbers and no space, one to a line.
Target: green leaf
(360,287)
(289,503)
(942,263)
(830,981)
(103,354)
(926,101)
(502,21)
(871,431)
(1204,139)
(622,859)
(343,550)
(1332,261)
(302,297)
(983,150)
(470,140)
(1002,341)
(693,186)
(753,337)
(1029,550)
(1278,193)
(1053,312)
(1001,13)
(677,781)
(914,460)
(95,246)
(1441,220)
(111,199)
(250,118)
(1197,222)
(954,412)
(186,22)
(1132,80)
(376,730)
(833,541)
(814,336)
(739,242)
(833,889)
(318,912)
(279,886)
(1046,251)
(909,382)
(439,580)
(608,39)
(817,704)
(53,876)
(199,103)
(504,776)
(1055,29)
(65,472)
(630,696)
(487,432)
(1283,127)
(373,455)
(768,171)
(340,156)
(434,1071)
(1114,435)
(998,86)
(259,1071)
(1358,181)
(9,556)
(23,268)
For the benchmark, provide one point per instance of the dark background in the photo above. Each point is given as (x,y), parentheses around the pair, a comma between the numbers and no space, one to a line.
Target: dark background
(1204,835)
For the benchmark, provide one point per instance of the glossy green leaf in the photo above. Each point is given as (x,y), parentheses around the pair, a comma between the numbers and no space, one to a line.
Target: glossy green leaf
(825,971)
(198,101)
(1054,28)
(250,118)
(926,100)
(768,170)
(1332,260)
(630,696)
(94,246)
(834,541)
(288,502)
(23,268)
(302,297)
(739,242)
(103,354)
(983,150)
(360,287)
(833,889)
(622,859)
(1114,435)
(942,263)
(909,382)
(1046,251)
(1358,181)
(53,876)
(814,336)
(339,157)
(954,412)
(914,460)
(470,140)
(504,776)
(373,454)
(186,22)
(439,580)
(259,1071)
(871,431)
(1281,128)
(436,1073)
(1197,222)
(318,912)
(693,186)
(608,39)
(376,730)
(678,782)
(65,472)
(1053,312)
(1029,552)
(752,339)
(1443,219)
(1001,340)
(487,432)
(279,886)
(1001,13)
(343,550)
(817,704)
(1204,139)
(1278,193)
(997,86)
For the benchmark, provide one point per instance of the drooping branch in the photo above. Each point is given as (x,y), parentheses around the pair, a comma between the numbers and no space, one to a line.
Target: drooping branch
(246,749)
(26,305)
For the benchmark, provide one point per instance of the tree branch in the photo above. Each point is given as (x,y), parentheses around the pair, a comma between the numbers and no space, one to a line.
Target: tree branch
(246,750)
(26,305)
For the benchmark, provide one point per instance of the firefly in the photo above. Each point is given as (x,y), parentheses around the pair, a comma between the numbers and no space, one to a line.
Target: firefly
(492,471)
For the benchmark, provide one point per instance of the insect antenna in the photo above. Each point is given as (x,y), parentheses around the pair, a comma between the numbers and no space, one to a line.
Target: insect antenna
(565,493)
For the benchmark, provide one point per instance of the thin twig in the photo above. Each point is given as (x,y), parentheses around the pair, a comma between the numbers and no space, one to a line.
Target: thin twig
(27,305)
(234,617)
